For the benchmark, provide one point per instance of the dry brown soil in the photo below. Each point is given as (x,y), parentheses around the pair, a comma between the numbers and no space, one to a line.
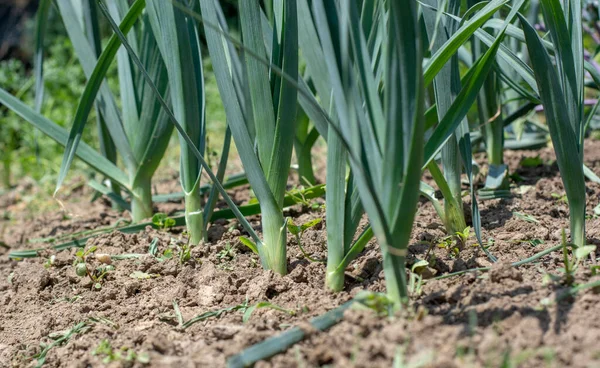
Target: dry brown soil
(485,319)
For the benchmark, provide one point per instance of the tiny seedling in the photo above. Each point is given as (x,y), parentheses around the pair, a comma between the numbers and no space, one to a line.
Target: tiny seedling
(59,338)
(82,269)
(50,261)
(380,303)
(464,235)
(162,221)
(227,253)
(259,305)
(526,217)
(559,198)
(166,254)
(454,243)
(216,313)
(532,242)
(81,255)
(124,354)
(297,194)
(153,248)
(571,264)
(531,162)
(535,242)
(297,231)
(185,253)
(104,321)
(415,283)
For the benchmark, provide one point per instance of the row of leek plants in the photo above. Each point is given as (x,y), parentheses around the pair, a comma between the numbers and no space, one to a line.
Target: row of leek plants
(349,50)
(369,67)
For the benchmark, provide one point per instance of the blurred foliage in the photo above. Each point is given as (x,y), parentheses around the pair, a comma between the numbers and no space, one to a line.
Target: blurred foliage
(25,151)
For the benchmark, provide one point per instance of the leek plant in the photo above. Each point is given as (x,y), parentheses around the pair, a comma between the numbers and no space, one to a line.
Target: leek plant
(140,131)
(120,38)
(359,131)
(446,86)
(344,208)
(180,48)
(383,137)
(492,127)
(261,106)
(561,92)
(452,124)
(490,114)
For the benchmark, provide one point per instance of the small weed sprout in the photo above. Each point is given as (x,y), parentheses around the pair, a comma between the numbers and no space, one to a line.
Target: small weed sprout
(380,303)
(50,261)
(415,283)
(162,221)
(184,251)
(559,198)
(248,312)
(82,268)
(59,338)
(227,253)
(571,264)
(298,194)
(454,243)
(297,231)
(123,354)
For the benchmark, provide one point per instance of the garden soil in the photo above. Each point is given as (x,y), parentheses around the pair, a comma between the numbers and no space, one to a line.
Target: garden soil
(507,317)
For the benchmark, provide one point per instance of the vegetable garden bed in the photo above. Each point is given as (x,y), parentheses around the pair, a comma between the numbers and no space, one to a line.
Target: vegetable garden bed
(505,317)
(415,238)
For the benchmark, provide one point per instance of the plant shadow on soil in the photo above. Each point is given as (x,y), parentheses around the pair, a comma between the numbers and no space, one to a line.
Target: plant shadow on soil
(479,319)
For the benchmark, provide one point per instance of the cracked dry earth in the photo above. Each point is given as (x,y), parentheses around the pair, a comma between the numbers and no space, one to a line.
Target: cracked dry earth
(507,317)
